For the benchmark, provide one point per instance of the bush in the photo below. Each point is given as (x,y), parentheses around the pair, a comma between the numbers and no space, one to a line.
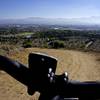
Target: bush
(27,44)
(57,44)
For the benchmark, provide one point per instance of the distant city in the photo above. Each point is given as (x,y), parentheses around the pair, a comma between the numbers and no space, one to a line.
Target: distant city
(91,23)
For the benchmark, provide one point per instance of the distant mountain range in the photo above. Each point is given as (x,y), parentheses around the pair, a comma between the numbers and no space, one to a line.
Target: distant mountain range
(53,21)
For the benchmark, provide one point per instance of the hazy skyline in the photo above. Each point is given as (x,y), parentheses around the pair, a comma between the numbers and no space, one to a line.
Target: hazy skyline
(49,8)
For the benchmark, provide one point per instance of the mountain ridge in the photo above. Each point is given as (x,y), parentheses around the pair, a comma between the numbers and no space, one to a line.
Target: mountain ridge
(62,21)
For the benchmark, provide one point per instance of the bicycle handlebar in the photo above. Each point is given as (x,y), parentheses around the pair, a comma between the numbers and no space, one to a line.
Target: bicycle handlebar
(81,89)
(15,69)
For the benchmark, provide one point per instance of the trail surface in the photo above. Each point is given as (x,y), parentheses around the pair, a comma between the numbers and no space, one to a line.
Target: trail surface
(81,66)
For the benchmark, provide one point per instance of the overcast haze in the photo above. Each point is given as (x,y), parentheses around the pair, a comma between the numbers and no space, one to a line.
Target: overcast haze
(49,8)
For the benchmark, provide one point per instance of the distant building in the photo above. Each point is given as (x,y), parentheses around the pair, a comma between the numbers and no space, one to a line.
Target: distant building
(56,28)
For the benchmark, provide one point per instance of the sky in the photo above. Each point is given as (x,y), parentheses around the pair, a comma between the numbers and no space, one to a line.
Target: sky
(49,8)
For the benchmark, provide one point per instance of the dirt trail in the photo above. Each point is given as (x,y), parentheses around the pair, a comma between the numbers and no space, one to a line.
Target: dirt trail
(81,66)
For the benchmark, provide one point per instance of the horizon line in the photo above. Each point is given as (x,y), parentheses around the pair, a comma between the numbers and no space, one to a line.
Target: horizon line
(49,17)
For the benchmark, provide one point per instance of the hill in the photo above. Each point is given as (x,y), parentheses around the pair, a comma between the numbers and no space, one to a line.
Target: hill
(53,21)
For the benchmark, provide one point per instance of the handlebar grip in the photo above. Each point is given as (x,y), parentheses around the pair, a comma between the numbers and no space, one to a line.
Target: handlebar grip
(15,69)
(81,89)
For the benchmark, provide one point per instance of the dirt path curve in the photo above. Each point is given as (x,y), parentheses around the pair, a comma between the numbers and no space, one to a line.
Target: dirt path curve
(84,66)
(80,65)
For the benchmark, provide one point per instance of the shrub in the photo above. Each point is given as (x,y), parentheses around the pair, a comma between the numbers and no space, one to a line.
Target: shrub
(27,44)
(57,44)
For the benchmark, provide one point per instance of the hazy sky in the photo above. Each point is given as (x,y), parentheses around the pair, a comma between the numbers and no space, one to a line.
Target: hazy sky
(49,8)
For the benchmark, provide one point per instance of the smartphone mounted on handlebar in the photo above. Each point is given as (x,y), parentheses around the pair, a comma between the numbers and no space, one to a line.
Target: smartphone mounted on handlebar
(40,65)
